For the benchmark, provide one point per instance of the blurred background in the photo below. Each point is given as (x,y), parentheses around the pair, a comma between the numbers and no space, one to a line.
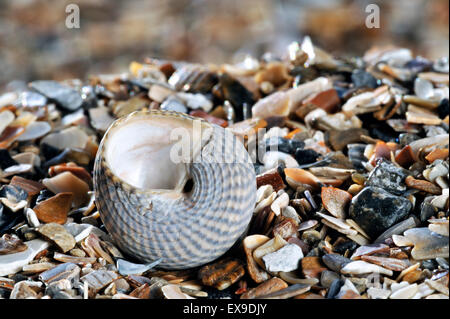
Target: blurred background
(35,43)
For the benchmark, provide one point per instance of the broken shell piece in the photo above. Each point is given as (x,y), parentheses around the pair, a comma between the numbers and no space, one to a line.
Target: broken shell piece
(337,224)
(34,130)
(265,202)
(72,137)
(221,274)
(278,204)
(439,226)
(289,292)
(128,268)
(298,176)
(54,209)
(250,243)
(388,263)
(269,247)
(174,292)
(361,267)
(13,263)
(67,182)
(417,115)
(269,286)
(10,245)
(335,201)
(406,292)
(401,241)
(6,118)
(58,235)
(427,244)
(92,246)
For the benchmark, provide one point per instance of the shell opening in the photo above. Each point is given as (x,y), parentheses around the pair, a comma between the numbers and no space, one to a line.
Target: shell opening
(138,151)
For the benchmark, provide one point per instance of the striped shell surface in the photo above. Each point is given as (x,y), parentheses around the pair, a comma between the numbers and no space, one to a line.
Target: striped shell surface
(186,228)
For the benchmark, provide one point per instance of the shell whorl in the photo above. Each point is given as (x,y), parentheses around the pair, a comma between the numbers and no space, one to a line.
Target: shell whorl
(189,231)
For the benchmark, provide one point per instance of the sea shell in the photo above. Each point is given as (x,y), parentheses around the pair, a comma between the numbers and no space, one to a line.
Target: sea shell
(143,195)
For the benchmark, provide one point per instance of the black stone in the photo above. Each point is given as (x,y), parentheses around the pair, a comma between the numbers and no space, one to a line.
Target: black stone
(335,288)
(388,177)
(427,210)
(375,210)
(356,155)
(6,159)
(306,156)
(49,151)
(443,108)
(8,219)
(64,96)
(361,78)
(44,195)
(279,144)
(236,94)
(429,264)
(349,245)
(335,262)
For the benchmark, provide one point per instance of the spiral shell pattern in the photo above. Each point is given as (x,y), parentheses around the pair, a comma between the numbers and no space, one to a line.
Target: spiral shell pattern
(188,231)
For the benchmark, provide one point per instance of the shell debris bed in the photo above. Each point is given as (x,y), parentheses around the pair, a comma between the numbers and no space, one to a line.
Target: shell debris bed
(314,177)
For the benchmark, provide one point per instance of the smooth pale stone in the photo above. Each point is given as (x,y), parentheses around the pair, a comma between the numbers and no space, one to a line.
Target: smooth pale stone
(405,293)
(174,292)
(13,263)
(299,93)
(284,259)
(427,244)
(378,293)
(6,118)
(34,130)
(281,202)
(72,137)
(360,267)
